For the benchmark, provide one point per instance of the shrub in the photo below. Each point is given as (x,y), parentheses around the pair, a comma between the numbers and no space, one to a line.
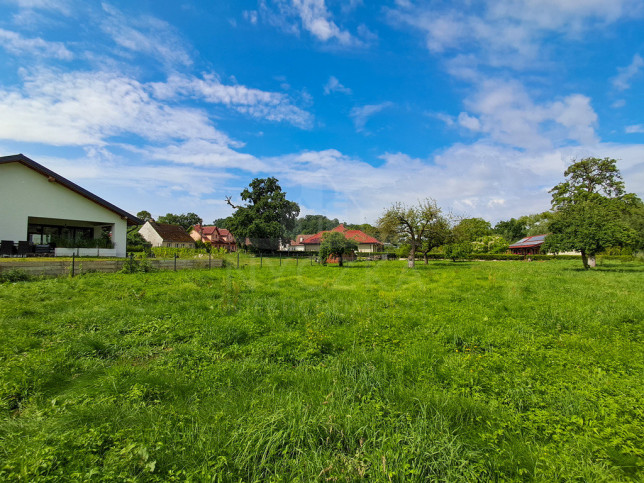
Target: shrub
(137,265)
(14,275)
(403,251)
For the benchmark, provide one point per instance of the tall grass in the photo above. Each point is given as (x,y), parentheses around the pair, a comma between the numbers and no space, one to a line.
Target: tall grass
(453,372)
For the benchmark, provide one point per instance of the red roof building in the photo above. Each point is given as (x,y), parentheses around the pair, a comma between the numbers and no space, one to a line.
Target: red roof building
(365,242)
(215,237)
(530,245)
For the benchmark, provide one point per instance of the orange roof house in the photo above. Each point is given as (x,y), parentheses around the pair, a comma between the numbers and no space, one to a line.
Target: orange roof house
(365,242)
(215,237)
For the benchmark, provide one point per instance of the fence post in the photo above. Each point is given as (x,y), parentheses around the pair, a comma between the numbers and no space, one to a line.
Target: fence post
(73,264)
(297,259)
(261,259)
(280,259)
(238,259)
(175,262)
(209,266)
(311,259)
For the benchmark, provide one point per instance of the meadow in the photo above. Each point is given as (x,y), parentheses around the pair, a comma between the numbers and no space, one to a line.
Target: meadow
(467,371)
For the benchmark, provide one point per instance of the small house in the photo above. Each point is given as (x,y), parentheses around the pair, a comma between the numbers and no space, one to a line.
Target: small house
(214,236)
(530,245)
(166,235)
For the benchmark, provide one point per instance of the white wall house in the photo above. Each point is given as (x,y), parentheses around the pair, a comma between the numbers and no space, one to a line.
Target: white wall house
(166,235)
(40,206)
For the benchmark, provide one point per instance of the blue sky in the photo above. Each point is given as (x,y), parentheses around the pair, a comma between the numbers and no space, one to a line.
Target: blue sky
(170,106)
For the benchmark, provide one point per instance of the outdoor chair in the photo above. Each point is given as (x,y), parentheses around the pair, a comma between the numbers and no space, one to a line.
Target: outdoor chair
(24,248)
(6,248)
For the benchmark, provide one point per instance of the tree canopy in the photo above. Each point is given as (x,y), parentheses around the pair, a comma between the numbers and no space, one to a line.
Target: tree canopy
(592,212)
(410,223)
(469,229)
(310,224)
(186,220)
(336,244)
(266,216)
(144,215)
(512,229)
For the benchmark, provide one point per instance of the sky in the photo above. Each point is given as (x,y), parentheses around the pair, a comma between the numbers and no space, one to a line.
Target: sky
(170,106)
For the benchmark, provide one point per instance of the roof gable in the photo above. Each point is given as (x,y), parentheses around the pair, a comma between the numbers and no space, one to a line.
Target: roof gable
(54,177)
(358,236)
(171,233)
(529,241)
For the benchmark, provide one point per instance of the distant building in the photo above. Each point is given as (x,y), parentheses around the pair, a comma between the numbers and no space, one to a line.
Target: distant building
(166,235)
(530,245)
(215,237)
(365,242)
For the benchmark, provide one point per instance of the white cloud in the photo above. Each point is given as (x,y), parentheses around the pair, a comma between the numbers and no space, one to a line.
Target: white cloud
(250,15)
(88,108)
(506,112)
(362,114)
(317,20)
(314,17)
(272,106)
(334,85)
(479,179)
(19,45)
(635,128)
(626,74)
(469,122)
(507,33)
(147,35)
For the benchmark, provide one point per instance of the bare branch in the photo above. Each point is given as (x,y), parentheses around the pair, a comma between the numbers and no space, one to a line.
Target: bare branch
(231,203)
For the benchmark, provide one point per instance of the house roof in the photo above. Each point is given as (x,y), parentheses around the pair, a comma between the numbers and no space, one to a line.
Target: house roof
(171,233)
(529,241)
(54,177)
(210,230)
(356,235)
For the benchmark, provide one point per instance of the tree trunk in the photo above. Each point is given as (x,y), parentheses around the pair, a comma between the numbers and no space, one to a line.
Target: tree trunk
(592,263)
(584,259)
(425,255)
(412,257)
(340,262)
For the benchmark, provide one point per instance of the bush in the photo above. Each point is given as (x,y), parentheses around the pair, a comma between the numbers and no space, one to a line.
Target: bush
(14,275)
(137,265)
(169,252)
(403,251)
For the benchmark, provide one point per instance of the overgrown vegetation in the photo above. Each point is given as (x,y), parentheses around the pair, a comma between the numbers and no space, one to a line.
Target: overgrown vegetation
(449,372)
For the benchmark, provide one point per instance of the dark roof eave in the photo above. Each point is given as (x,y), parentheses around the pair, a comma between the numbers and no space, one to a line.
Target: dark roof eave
(30,163)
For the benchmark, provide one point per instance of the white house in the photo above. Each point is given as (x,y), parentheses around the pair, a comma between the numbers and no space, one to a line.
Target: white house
(40,206)
(165,235)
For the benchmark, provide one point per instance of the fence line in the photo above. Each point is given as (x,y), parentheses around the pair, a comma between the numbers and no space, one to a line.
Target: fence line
(58,268)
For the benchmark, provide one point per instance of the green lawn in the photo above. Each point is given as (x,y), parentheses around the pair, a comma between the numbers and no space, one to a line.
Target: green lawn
(453,372)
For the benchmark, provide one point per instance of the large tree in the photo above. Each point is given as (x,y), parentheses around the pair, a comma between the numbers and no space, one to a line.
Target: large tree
(410,223)
(336,244)
(186,220)
(266,216)
(592,211)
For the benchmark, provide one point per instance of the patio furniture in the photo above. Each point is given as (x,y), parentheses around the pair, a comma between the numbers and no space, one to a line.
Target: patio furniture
(44,250)
(24,248)
(6,248)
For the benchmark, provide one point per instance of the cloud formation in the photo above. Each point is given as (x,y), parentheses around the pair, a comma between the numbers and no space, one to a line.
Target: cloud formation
(626,74)
(19,45)
(361,114)
(334,85)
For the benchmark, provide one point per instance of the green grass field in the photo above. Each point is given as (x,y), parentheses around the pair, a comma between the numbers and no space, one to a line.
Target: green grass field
(471,371)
